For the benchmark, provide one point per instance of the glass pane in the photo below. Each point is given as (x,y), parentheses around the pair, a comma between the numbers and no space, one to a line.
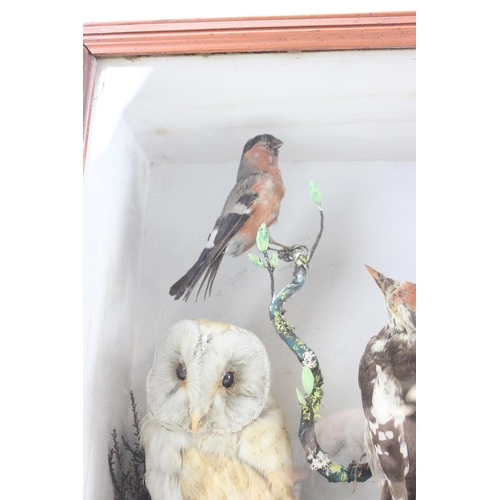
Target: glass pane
(166,138)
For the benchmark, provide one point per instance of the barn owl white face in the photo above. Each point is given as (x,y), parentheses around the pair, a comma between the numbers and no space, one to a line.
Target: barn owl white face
(210,375)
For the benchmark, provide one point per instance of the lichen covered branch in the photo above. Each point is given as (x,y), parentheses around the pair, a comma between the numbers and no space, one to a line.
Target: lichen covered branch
(312,378)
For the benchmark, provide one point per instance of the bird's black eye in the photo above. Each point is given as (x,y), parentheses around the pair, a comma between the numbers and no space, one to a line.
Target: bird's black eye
(181,372)
(228,380)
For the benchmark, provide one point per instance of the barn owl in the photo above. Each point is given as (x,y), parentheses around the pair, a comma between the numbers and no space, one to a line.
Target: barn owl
(213,430)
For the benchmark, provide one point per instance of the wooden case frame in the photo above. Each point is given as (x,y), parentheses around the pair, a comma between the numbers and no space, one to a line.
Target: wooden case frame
(391,30)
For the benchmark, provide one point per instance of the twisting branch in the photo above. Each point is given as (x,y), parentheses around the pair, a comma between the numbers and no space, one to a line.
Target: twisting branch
(312,378)
(268,263)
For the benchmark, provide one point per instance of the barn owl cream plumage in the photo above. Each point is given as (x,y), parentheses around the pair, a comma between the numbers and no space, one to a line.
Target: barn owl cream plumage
(213,430)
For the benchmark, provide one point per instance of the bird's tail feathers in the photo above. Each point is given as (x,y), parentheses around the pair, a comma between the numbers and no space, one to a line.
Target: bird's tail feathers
(185,285)
(210,274)
(203,266)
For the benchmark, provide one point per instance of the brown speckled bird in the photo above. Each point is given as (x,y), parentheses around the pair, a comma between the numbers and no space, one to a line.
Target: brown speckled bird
(387,379)
(255,199)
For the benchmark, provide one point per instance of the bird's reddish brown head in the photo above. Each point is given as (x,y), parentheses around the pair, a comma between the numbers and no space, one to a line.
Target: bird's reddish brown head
(260,154)
(400,296)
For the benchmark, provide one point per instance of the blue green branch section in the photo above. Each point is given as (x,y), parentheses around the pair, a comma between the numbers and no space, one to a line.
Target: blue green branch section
(312,378)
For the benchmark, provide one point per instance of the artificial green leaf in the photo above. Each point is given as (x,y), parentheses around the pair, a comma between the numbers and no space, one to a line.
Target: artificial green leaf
(262,238)
(300,397)
(255,260)
(307,379)
(274,260)
(315,193)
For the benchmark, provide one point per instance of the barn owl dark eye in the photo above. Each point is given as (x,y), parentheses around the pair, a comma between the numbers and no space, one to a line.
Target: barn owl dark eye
(181,372)
(228,380)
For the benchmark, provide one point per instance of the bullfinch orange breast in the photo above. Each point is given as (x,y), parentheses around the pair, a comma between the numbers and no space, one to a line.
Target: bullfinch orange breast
(254,199)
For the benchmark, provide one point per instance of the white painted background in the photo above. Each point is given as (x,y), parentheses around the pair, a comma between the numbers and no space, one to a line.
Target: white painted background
(166,138)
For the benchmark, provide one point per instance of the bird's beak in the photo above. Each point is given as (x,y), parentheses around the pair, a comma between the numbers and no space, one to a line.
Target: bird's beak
(371,271)
(275,144)
(195,418)
(383,282)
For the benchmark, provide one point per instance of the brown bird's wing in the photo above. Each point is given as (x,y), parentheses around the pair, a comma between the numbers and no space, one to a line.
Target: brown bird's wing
(390,441)
(366,375)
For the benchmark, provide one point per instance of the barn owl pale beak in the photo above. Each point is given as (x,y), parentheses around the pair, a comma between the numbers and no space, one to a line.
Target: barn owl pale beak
(195,418)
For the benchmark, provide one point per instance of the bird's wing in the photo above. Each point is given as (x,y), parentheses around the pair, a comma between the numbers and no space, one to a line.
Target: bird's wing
(388,421)
(237,210)
(163,459)
(366,376)
(230,222)
(227,225)
(265,446)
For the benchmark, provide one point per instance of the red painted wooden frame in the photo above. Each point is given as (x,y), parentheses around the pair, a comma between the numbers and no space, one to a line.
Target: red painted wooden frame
(387,30)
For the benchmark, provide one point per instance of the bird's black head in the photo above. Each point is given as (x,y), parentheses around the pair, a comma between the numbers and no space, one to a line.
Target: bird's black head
(269,140)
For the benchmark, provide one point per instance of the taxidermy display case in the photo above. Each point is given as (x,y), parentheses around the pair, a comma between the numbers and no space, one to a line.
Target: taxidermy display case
(168,108)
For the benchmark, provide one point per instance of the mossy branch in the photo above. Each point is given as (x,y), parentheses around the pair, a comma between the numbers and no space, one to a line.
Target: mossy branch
(312,378)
